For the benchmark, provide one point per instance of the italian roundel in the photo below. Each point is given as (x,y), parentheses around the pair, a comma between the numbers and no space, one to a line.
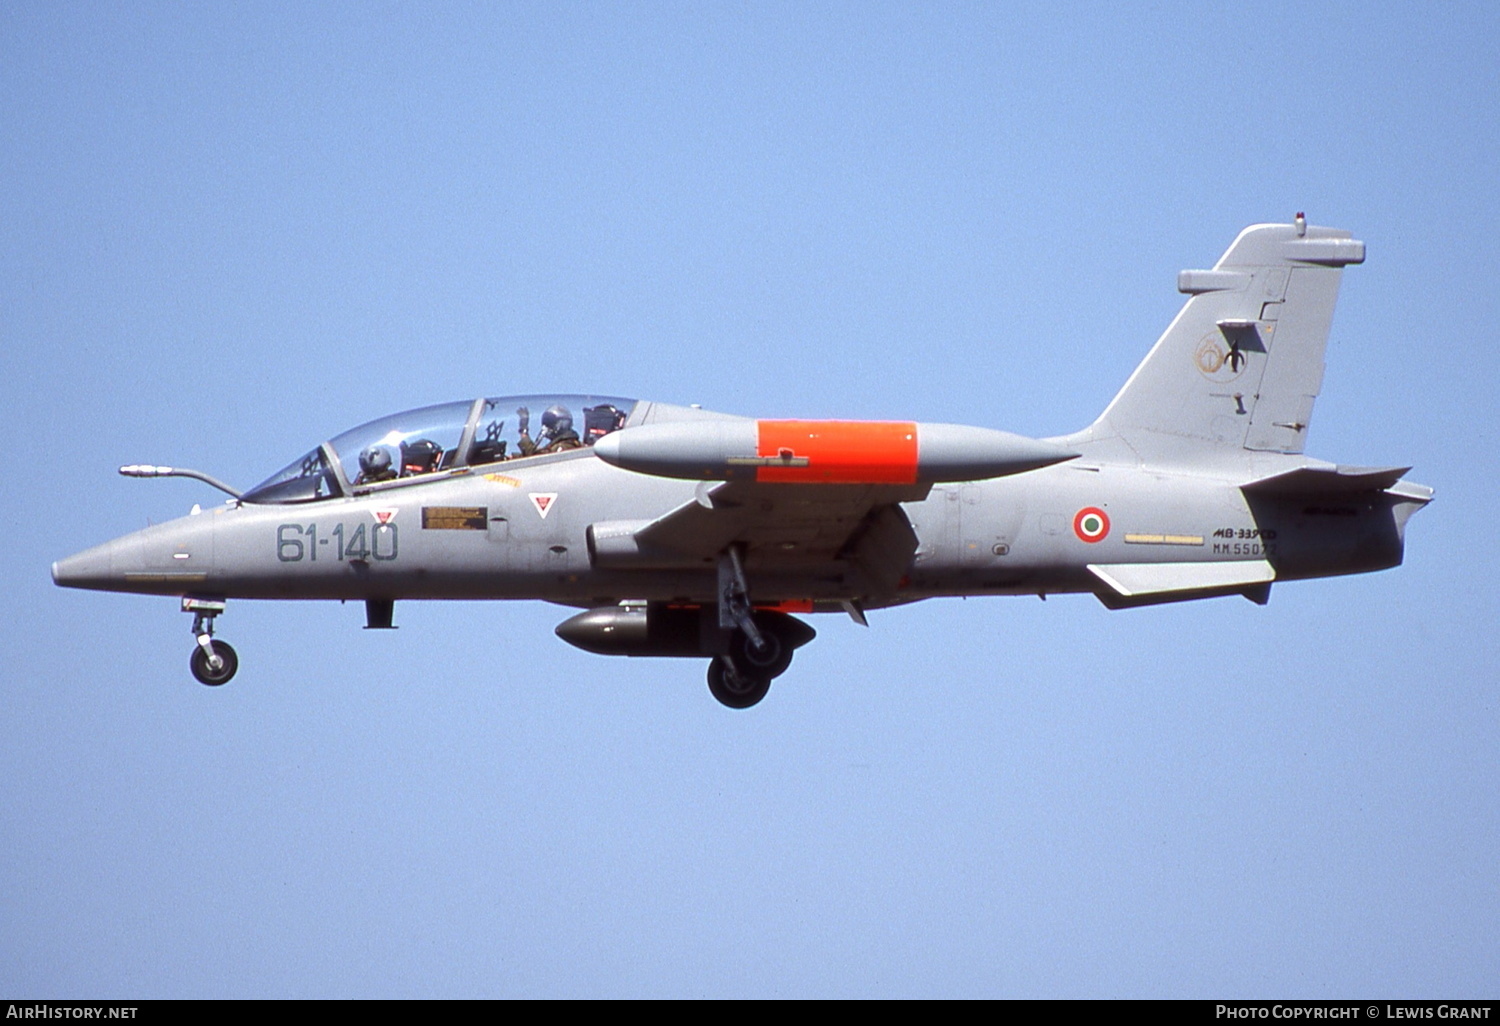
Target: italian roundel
(1091,524)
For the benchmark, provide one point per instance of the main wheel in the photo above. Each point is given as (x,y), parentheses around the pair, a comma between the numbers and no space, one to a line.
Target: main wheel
(229,663)
(771,661)
(736,689)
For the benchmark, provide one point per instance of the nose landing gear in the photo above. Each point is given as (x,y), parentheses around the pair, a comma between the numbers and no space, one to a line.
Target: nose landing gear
(212,662)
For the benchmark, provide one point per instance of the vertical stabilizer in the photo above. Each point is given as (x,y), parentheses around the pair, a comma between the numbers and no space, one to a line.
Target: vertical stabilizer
(1242,362)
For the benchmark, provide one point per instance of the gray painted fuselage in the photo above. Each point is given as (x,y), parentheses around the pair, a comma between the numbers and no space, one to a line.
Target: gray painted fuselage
(1012,535)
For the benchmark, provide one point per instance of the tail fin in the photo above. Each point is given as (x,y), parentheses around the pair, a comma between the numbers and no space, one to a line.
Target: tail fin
(1241,364)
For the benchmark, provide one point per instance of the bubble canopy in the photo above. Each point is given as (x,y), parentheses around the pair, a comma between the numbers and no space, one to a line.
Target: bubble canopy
(449,436)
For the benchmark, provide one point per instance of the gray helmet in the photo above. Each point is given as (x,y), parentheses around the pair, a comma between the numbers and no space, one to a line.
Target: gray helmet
(375,460)
(556,420)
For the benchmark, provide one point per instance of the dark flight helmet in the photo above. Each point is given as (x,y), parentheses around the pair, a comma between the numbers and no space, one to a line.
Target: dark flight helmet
(420,457)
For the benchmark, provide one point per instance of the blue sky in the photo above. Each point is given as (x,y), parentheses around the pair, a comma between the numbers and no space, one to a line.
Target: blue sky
(228,232)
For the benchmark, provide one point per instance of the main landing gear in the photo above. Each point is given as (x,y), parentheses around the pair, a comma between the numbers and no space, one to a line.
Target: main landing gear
(761,645)
(742,676)
(212,662)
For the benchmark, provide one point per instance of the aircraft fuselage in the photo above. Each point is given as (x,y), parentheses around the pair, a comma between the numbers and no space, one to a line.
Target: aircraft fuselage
(519,530)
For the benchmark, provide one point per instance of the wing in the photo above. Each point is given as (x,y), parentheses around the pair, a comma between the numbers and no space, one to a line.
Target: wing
(817,500)
(859,531)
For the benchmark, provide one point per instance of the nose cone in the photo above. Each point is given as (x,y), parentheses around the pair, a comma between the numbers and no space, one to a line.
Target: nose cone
(167,559)
(92,568)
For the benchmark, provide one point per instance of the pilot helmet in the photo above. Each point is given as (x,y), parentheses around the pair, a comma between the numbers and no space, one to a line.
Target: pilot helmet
(375,460)
(420,457)
(556,420)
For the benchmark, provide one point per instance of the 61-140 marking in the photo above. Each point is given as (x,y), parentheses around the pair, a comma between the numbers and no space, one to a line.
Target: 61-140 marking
(294,542)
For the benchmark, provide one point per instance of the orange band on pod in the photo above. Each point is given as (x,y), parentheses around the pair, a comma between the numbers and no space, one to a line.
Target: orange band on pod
(839,451)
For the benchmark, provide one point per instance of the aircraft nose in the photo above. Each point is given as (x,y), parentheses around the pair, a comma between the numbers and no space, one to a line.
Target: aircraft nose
(165,559)
(92,568)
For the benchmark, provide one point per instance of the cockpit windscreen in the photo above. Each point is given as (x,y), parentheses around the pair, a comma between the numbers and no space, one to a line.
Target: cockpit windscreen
(445,437)
(403,444)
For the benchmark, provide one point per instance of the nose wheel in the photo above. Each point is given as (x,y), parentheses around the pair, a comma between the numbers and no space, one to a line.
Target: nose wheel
(212,662)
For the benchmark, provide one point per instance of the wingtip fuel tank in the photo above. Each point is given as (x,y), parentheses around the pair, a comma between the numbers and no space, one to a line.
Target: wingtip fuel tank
(826,452)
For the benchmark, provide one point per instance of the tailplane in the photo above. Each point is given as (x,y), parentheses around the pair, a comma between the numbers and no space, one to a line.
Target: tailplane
(1239,367)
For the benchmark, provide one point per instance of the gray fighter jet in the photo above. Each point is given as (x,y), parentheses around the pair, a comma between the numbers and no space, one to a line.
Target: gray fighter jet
(681,532)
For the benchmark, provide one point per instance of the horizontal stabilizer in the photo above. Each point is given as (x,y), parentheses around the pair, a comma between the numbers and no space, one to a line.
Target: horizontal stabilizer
(1137,580)
(1327,481)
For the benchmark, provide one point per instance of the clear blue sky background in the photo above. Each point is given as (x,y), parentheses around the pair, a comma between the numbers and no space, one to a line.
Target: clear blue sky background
(230,231)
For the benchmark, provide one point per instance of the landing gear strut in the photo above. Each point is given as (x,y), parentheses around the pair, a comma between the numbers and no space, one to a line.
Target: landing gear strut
(213,662)
(761,643)
(735,610)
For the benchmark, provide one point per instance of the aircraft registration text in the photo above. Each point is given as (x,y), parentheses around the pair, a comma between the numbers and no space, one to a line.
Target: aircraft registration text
(295,542)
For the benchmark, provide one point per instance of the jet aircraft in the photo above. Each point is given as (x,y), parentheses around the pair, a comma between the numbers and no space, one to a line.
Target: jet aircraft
(682,532)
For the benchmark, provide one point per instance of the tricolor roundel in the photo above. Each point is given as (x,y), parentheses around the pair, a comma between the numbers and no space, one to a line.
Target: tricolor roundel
(1091,524)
